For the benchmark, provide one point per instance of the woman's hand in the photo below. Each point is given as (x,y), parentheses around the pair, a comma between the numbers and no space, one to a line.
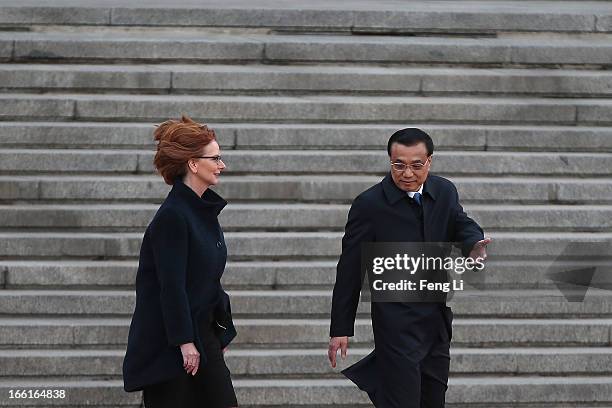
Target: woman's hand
(191,358)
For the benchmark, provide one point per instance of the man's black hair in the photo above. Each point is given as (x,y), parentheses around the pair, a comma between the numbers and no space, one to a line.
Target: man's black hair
(411,137)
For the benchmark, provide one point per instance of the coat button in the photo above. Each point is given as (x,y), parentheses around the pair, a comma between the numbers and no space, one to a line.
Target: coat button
(219,244)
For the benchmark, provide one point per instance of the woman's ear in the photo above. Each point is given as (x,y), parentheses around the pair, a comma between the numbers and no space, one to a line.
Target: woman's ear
(192,166)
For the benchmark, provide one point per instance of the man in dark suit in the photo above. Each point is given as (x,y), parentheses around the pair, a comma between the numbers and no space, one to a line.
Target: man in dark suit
(410,363)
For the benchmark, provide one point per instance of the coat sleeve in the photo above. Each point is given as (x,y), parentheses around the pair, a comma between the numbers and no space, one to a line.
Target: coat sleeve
(466,231)
(348,273)
(170,241)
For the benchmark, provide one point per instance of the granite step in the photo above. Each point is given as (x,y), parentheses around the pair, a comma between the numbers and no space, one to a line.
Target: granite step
(290,245)
(305,109)
(527,391)
(520,303)
(274,79)
(95,45)
(457,163)
(302,188)
(276,136)
(308,363)
(303,217)
(75,333)
(266,275)
(342,16)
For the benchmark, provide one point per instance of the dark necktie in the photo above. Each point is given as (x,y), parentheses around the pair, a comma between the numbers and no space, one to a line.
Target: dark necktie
(417,198)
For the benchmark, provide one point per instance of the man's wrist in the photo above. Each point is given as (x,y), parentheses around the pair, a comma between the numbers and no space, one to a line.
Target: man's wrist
(341,333)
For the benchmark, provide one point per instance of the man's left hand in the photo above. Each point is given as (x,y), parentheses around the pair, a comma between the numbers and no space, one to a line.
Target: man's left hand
(480,249)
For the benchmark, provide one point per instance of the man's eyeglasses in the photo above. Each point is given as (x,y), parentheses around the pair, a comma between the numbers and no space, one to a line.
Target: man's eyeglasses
(217,159)
(401,167)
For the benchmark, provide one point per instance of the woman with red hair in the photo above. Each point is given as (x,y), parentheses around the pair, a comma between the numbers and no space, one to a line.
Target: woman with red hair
(182,321)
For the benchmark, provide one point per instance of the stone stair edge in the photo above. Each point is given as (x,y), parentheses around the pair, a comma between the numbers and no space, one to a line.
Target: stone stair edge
(179,79)
(178,68)
(331,383)
(242,126)
(297,151)
(321,234)
(277,48)
(360,350)
(332,162)
(95,97)
(299,109)
(289,293)
(228,178)
(280,362)
(259,205)
(319,15)
(301,216)
(260,38)
(256,352)
(72,321)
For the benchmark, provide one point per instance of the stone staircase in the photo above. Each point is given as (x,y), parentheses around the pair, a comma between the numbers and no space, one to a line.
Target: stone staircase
(517,96)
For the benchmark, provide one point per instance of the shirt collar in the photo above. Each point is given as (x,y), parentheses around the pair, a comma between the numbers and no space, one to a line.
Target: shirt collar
(394,193)
(412,193)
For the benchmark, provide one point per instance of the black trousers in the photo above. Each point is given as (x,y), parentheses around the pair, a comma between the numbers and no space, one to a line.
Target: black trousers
(211,387)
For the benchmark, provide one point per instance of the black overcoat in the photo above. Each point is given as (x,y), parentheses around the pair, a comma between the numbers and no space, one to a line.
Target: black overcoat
(178,287)
(383,214)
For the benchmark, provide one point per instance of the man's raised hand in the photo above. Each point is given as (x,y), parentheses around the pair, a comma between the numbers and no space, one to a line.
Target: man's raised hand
(480,249)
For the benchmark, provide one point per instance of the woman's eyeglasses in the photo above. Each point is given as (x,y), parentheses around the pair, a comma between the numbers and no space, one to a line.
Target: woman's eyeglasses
(217,159)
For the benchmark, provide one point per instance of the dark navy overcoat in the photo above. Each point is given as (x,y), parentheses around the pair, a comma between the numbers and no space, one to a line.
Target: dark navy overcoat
(178,287)
(383,214)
